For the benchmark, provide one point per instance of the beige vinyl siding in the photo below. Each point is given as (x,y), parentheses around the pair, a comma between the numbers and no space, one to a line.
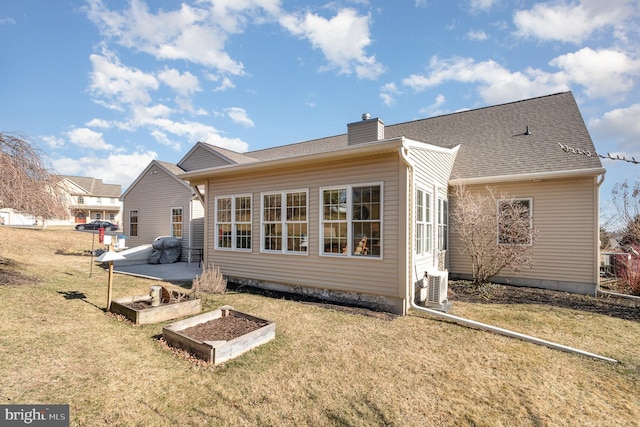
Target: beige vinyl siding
(367,275)
(432,172)
(202,158)
(565,214)
(153,197)
(197,224)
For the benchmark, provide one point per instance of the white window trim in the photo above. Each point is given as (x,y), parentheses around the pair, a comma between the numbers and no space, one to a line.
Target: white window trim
(233,223)
(427,238)
(442,237)
(171,223)
(349,221)
(516,199)
(283,221)
(137,222)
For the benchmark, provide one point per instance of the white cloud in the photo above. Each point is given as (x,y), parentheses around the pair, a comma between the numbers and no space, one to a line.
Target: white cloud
(342,39)
(496,83)
(388,93)
(239,115)
(197,33)
(87,138)
(120,169)
(226,84)
(434,109)
(119,83)
(52,141)
(7,21)
(98,123)
(482,4)
(603,73)
(574,21)
(184,84)
(477,35)
(621,124)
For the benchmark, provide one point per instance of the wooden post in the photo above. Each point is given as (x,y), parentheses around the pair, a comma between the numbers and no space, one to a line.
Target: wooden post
(110,285)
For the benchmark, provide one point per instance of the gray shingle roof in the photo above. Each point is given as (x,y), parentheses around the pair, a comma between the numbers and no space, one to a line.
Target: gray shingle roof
(492,139)
(94,186)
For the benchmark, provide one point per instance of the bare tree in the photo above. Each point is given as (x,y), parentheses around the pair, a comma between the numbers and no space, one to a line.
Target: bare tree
(626,200)
(496,232)
(26,184)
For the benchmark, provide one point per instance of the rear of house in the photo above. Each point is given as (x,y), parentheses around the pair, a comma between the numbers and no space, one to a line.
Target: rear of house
(360,217)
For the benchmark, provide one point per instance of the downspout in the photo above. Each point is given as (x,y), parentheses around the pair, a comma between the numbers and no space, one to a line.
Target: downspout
(596,267)
(403,151)
(479,325)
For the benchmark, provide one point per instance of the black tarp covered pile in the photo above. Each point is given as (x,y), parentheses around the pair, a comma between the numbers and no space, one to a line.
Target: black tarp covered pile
(165,250)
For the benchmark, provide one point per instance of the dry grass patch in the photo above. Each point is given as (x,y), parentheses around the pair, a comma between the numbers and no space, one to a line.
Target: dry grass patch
(327,366)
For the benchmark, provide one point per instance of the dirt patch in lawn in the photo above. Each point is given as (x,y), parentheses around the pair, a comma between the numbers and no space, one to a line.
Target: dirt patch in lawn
(9,275)
(619,307)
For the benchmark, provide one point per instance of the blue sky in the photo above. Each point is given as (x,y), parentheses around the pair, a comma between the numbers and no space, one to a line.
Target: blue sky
(104,86)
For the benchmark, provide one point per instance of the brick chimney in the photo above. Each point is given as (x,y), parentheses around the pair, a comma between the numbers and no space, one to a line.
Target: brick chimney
(366,130)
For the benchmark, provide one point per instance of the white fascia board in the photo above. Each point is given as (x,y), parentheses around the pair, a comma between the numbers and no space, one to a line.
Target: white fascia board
(412,143)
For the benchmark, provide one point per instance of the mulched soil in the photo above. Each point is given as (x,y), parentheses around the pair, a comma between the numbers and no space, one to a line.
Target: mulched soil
(223,329)
(622,308)
(307,299)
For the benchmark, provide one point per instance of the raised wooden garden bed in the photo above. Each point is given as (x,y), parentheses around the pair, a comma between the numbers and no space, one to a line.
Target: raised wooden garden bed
(139,310)
(219,335)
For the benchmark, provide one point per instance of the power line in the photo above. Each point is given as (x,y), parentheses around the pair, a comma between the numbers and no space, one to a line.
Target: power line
(588,153)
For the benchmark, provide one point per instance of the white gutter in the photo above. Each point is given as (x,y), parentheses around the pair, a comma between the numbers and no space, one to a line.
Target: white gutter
(575,173)
(479,325)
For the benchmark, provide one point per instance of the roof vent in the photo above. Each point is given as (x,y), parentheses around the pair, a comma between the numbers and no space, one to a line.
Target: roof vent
(366,116)
(527,132)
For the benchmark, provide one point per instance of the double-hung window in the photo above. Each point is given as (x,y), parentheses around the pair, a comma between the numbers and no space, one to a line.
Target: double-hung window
(443,222)
(233,222)
(515,222)
(133,223)
(352,220)
(284,222)
(424,224)
(176,222)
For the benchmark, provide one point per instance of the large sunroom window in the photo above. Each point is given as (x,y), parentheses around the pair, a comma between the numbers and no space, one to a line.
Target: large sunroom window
(284,221)
(352,220)
(233,222)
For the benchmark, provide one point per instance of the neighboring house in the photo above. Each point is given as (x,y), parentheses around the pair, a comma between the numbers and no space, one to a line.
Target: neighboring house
(158,203)
(87,198)
(361,216)
(90,199)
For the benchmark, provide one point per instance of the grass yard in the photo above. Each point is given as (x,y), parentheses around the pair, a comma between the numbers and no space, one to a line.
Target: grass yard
(326,367)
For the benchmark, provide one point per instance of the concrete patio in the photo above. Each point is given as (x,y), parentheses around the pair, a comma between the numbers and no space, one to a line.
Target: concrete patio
(174,272)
